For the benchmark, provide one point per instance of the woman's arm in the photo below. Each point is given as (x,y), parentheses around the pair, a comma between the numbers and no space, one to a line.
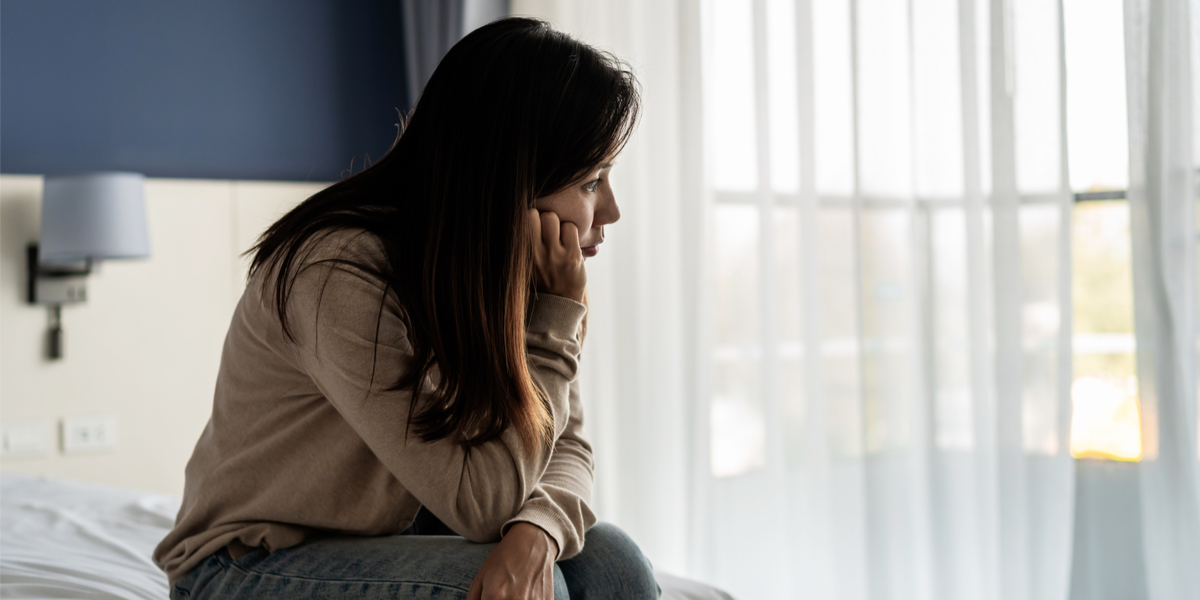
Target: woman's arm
(556,514)
(550,526)
(338,313)
(560,503)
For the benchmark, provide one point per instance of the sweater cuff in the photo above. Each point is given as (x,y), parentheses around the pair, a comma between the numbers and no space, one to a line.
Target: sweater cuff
(556,314)
(546,519)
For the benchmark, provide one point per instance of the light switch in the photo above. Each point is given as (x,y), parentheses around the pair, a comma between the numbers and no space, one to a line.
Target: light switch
(26,439)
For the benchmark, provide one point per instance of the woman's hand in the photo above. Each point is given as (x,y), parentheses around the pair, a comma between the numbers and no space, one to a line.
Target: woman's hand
(557,255)
(520,567)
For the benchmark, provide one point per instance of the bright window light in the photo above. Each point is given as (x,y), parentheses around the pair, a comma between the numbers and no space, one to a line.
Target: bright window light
(1097,133)
(1105,421)
(738,442)
(728,59)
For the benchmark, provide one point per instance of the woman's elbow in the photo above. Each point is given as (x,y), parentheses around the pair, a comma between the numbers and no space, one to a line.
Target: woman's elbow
(482,532)
(483,523)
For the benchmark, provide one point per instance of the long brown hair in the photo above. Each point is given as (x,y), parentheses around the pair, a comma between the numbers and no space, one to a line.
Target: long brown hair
(514,112)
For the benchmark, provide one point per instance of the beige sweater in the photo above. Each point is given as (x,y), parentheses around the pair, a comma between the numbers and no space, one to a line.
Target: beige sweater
(298,443)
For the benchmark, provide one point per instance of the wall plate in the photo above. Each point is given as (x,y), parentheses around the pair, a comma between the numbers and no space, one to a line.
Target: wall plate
(86,435)
(26,439)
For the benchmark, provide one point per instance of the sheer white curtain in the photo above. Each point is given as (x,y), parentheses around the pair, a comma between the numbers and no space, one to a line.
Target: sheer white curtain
(891,352)
(1159,35)
(829,352)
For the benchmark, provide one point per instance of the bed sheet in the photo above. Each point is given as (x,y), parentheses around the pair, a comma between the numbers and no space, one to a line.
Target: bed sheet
(64,539)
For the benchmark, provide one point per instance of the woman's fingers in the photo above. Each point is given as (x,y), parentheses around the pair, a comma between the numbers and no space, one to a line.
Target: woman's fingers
(559,234)
(533,224)
(569,235)
(550,229)
(558,257)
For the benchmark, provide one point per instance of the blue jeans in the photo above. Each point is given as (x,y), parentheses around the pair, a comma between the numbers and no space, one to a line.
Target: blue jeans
(423,562)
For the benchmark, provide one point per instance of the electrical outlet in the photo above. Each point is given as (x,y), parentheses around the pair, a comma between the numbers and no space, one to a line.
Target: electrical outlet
(26,439)
(89,435)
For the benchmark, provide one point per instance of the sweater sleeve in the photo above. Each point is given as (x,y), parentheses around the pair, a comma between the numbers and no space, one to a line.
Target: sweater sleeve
(352,342)
(560,503)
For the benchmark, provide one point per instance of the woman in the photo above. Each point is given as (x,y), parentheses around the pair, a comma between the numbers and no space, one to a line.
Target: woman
(397,414)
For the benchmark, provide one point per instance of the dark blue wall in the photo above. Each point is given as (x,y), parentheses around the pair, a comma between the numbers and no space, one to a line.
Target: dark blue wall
(246,89)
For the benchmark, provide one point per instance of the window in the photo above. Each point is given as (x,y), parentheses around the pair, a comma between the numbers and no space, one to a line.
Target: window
(1105,421)
(873,225)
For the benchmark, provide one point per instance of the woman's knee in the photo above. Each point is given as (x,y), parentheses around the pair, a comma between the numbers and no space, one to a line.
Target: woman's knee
(616,559)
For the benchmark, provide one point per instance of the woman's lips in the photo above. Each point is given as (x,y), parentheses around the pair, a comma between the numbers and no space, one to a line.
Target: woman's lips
(589,251)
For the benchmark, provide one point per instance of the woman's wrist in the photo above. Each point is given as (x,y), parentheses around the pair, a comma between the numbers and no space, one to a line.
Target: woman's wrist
(520,566)
(539,541)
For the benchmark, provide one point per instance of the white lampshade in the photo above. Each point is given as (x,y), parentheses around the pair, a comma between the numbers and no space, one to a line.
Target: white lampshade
(93,216)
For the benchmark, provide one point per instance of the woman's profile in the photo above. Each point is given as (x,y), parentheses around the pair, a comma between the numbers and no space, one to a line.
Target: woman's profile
(397,413)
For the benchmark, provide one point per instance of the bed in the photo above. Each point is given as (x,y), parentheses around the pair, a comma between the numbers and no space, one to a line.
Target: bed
(63,539)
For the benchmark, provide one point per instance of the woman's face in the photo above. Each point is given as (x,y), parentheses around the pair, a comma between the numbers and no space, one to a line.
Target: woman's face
(588,203)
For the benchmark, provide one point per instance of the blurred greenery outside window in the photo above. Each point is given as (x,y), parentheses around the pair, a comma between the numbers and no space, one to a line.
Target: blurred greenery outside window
(1105,421)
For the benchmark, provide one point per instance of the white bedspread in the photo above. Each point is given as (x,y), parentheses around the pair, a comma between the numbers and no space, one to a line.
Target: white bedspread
(62,539)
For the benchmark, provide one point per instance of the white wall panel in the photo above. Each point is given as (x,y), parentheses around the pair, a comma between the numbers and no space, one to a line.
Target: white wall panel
(145,347)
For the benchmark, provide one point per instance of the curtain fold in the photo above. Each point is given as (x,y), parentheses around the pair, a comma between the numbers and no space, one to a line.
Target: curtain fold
(431,27)
(1158,41)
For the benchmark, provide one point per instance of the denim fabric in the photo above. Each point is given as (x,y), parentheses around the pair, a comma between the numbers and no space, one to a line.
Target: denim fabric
(410,565)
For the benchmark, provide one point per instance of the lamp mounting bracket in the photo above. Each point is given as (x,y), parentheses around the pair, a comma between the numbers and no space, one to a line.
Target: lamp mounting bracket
(55,284)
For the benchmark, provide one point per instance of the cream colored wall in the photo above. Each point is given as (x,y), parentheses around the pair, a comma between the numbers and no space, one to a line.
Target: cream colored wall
(145,347)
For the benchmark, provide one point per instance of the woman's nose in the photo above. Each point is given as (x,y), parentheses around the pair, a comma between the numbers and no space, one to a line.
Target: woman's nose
(607,211)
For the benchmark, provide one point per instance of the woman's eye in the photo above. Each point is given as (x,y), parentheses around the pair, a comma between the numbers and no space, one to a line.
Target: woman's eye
(591,185)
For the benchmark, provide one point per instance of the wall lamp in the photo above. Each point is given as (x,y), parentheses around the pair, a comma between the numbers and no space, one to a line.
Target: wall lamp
(85,219)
